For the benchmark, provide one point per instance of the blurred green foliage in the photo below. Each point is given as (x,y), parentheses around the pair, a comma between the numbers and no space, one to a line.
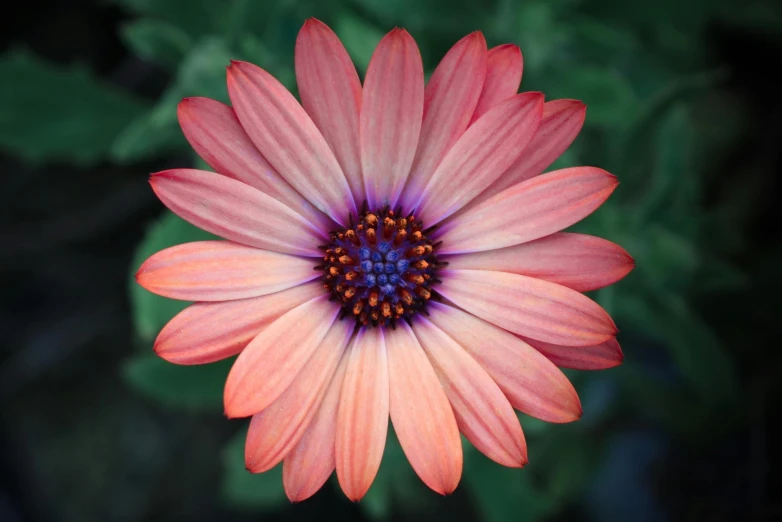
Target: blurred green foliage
(643,72)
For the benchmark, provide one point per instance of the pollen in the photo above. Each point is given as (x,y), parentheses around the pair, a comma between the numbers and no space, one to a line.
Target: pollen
(381,268)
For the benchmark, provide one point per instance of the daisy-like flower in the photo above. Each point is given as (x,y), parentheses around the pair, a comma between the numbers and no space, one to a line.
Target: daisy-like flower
(391,251)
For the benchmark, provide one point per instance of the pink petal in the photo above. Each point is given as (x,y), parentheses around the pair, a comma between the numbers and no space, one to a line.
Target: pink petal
(310,463)
(265,369)
(576,261)
(530,381)
(208,332)
(484,414)
(236,211)
(276,430)
(503,77)
(391,116)
(561,123)
(331,94)
(289,140)
(449,101)
(362,420)
(422,417)
(535,208)
(215,133)
(221,271)
(599,357)
(482,154)
(528,306)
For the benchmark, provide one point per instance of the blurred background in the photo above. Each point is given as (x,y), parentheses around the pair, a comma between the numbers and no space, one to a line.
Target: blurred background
(682,107)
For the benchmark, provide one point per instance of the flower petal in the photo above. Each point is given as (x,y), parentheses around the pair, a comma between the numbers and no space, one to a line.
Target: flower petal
(221,271)
(215,133)
(422,417)
(391,112)
(561,123)
(208,332)
(530,381)
(362,420)
(265,369)
(482,154)
(503,77)
(331,94)
(276,430)
(289,140)
(235,211)
(535,208)
(310,463)
(576,261)
(528,306)
(484,414)
(599,357)
(449,102)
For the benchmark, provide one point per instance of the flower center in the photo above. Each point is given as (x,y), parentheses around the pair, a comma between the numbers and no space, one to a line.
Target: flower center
(382,268)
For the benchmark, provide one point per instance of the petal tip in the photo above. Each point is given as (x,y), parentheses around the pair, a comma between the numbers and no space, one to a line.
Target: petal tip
(628,260)
(477,37)
(449,489)
(236,66)
(231,408)
(310,26)
(297,495)
(398,32)
(161,348)
(518,461)
(354,490)
(511,51)
(163,174)
(574,104)
(312,21)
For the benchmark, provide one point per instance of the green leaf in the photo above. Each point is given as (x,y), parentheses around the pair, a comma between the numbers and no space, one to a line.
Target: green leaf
(195,18)
(192,387)
(632,146)
(151,312)
(245,490)
(202,73)
(564,461)
(541,36)
(54,113)
(503,494)
(673,148)
(694,348)
(157,41)
(678,407)
(608,95)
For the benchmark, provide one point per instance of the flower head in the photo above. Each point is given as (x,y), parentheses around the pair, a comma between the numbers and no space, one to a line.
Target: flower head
(392,250)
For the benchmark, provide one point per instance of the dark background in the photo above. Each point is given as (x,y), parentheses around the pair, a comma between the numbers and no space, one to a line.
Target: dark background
(84,438)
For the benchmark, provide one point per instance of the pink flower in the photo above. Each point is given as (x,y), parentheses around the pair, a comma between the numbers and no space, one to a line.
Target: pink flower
(392,250)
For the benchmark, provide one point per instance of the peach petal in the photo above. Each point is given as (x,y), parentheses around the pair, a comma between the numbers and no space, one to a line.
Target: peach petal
(331,94)
(362,420)
(221,271)
(530,381)
(528,306)
(484,414)
(265,369)
(208,332)
(422,417)
(391,111)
